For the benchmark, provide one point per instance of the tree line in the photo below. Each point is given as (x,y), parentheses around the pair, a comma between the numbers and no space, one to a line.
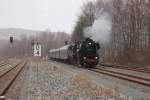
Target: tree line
(23,46)
(130,32)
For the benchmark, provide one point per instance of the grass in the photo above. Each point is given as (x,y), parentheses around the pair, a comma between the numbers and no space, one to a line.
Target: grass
(89,88)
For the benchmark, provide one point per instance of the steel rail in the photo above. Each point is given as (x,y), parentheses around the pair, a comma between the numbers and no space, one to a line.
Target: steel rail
(9,69)
(131,78)
(134,68)
(10,82)
(3,63)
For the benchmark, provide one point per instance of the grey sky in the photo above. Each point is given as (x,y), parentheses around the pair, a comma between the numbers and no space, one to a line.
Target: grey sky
(40,14)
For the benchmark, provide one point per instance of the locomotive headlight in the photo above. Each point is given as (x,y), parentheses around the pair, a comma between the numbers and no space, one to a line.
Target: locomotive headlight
(96,57)
(90,43)
(84,58)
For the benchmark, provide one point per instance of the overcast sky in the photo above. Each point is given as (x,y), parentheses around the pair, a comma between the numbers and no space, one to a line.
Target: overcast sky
(40,14)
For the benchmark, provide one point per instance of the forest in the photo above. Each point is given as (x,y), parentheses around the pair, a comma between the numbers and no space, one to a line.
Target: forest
(122,27)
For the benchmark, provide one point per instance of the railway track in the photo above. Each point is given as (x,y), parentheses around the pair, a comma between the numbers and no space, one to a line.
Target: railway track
(8,69)
(4,62)
(127,77)
(8,77)
(131,68)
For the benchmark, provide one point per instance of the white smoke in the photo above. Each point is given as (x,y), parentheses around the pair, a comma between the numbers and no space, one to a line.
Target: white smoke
(100,31)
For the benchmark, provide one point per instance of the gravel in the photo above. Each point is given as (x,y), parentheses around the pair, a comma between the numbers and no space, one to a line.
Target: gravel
(126,89)
(56,81)
(53,82)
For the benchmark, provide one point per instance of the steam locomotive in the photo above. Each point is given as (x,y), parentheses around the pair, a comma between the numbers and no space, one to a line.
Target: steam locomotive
(78,53)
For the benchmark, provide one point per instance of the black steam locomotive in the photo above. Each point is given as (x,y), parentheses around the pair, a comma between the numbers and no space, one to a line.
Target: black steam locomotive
(78,53)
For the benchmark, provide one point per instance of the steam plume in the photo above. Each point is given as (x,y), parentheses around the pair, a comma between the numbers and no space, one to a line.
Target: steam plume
(100,31)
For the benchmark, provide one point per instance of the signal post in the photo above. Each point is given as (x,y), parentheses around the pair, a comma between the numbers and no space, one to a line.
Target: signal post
(37,53)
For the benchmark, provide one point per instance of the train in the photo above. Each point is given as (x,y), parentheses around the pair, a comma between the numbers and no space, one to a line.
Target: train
(84,53)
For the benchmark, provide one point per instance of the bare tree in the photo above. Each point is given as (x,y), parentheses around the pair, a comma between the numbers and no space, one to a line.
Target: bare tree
(130,41)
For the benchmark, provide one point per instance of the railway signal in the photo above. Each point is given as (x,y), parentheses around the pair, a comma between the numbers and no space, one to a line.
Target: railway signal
(11,39)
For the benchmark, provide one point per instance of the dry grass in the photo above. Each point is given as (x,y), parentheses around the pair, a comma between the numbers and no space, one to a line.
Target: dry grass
(89,88)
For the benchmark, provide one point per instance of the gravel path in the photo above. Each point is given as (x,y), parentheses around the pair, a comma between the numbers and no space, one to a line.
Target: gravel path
(49,81)
(57,81)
